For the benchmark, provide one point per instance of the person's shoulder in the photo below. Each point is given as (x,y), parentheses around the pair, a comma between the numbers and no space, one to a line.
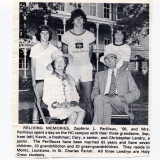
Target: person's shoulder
(101,73)
(67,32)
(66,36)
(36,46)
(71,78)
(35,50)
(54,48)
(89,33)
(126,46)
(124,72)
(50,77)
(109,46)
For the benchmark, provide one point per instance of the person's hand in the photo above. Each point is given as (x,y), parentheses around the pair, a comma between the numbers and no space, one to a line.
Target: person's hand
(65,104)
(33,83)
(56,105)
(122,98)
(78,86)
(73,103)
(68,105)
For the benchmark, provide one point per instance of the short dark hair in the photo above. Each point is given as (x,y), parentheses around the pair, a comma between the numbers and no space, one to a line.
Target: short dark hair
(65,60)
(76,13)
(43,28)
(119,29)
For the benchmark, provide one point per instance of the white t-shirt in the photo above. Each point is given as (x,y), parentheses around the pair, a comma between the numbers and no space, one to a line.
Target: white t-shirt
(78,45)
(124,50)
(42,57)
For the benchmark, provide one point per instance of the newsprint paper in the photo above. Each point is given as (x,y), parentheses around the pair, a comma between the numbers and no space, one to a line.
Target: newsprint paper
(57,115)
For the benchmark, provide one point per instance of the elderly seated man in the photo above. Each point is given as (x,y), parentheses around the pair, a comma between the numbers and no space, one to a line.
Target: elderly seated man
(113,90)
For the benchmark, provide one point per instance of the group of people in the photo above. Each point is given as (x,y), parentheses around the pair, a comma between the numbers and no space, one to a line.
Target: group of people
(63,71)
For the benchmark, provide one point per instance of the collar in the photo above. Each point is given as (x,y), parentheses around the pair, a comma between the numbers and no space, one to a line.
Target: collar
(62,77)
(118,44)
(43,46)
(77,34)
(110,71)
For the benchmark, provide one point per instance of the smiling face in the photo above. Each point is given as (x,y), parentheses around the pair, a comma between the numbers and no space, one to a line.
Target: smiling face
(44,36)
(78,22)
(59,63)
(110,60)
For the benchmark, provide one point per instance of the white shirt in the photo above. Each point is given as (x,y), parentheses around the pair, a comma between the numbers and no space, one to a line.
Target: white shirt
(43,58)
(109,80)
(124,50)
(78,46)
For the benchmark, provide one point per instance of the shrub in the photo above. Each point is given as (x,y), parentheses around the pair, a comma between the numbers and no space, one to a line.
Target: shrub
(25,83)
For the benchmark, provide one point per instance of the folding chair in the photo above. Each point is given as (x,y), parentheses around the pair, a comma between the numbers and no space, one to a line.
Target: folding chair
(125,116)
(38,90)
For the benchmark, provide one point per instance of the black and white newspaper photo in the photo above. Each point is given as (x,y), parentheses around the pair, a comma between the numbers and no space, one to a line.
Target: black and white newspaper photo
(81,78)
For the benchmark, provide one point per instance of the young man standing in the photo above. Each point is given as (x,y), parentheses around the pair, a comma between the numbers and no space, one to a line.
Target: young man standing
(40,57)
(120,47)
(79,43)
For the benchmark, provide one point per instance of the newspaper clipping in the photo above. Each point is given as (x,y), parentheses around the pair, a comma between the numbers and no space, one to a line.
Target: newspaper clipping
(81,78)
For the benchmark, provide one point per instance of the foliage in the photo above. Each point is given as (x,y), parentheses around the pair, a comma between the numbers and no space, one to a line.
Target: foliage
(76,5)
(33,15)
(134,17)
(35,19)
(25,83)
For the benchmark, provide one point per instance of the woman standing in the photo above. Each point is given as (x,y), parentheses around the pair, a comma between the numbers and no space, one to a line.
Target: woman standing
(40,57)
(60,93)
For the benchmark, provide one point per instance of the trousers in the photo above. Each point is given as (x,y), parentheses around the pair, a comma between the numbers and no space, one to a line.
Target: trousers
(105,106)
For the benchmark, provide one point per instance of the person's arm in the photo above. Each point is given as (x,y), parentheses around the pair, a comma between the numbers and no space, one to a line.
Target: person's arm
(91,39)
(33,71)
(133,93)
(74,94)
(124,66)
(123,99)
(91,51)
(74,103)
(95,90)
(64,48)
(49,94)
(56,105)
(65,42)
(126,57)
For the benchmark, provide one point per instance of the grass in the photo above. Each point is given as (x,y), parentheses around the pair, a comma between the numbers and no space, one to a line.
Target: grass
(141,117)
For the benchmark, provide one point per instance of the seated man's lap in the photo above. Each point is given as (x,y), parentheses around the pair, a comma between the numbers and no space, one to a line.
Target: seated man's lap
(116,105)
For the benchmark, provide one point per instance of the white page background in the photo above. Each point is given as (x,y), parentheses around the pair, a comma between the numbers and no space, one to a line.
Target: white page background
(6,144)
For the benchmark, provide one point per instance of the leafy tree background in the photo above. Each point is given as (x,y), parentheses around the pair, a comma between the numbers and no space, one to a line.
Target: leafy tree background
(135,17)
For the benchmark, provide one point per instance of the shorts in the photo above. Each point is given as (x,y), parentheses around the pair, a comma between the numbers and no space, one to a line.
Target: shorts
(82,73)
